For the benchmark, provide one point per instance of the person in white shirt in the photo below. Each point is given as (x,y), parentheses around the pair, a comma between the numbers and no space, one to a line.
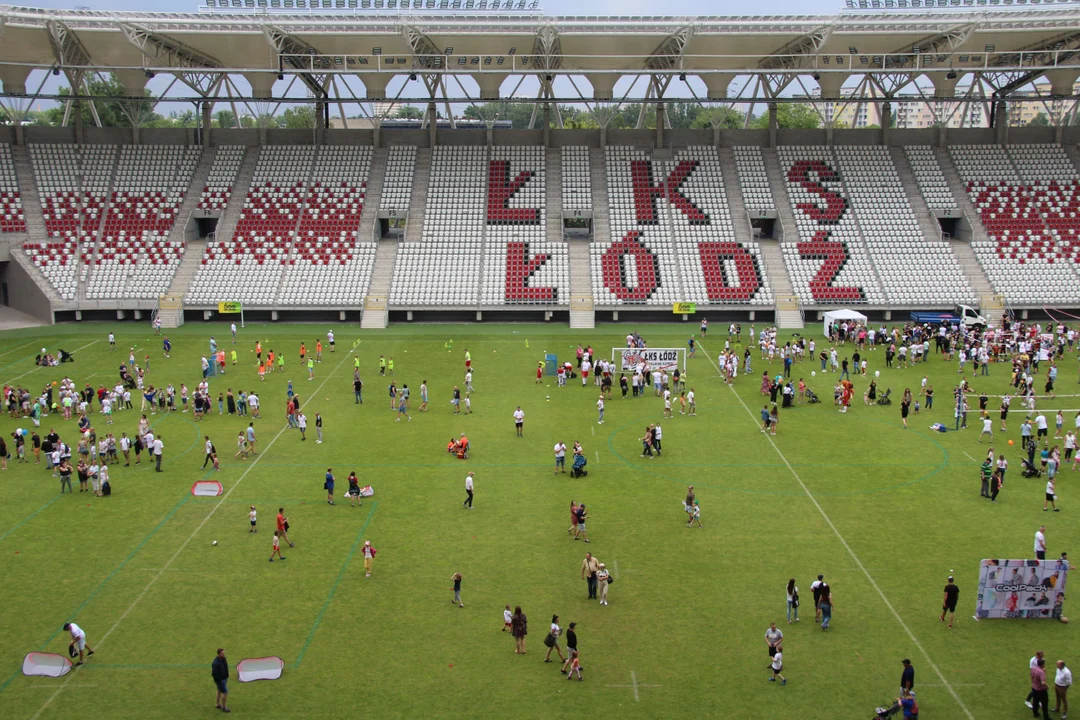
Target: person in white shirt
(1040,542)
(778,665)
(253,519)
(330,339)
(519,420)
(1062,682)
(600,409)
(301,422)
(468,381)
(1041,425)
(78,641)
(233,329)
(159,449)
(667,403)
(691,404)
(1050,495)
(468,491)
(560,457)
(585,367)
(102,479)
(988,427)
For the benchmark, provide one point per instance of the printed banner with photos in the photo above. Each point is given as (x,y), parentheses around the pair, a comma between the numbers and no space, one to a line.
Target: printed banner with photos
(1021,589)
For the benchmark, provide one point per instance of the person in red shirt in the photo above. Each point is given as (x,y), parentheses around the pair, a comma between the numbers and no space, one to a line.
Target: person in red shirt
(539,373)
(283,526)
(1039,692)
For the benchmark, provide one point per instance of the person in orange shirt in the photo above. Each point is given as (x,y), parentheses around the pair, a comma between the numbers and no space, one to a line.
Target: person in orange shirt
(463,443)
(262,372)
(258,351)
(270,360)
(303,352)
(318,351)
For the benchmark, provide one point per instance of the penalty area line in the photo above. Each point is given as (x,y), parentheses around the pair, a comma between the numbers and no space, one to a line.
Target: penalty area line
(849,549)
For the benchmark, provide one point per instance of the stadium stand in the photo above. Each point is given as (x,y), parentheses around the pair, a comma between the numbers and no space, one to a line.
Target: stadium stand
(330,264)
(828,263)
(715,268)
(913,269)
(753,179)
(12,219)
(248,267)
(73,182)
(521,264)
(576,179)
(397,184)
(1052,181)
(441,268)
(219,185)
(638,266)
(136,257)
(931,181)
(1021,258)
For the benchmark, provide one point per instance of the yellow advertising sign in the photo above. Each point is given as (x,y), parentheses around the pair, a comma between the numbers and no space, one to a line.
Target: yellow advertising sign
(684,308)
(229,308)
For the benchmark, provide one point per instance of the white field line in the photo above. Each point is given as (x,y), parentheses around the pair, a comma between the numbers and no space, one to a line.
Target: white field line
(850,551)
(184,545)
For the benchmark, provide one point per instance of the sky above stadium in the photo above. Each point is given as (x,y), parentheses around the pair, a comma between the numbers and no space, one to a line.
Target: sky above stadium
(551,7)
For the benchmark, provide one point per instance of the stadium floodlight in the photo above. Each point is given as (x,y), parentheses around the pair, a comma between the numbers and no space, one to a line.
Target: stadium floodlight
(513,51)
(682,77)
(376,51)
(56,71)
(989,48)
(412,76)
(853,50)
(449,50)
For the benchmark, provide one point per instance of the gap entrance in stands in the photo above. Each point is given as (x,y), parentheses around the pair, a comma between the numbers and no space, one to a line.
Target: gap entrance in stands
(392,228)
(205,226)
(577,228)
(763,227)
(950,226)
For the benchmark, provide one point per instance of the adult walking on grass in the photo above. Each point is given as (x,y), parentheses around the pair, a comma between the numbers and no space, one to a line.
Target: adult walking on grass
(603,579)
(792,600)
(1062,683)
(328,485)
(1040,696)
(219,671)
(826,606)
(583,515)
(815,587)
(283,526)
(571,646)
(519,628)
(551,640)
(774,638)
(948,603)
(468,491)
(589,567)
(907,677)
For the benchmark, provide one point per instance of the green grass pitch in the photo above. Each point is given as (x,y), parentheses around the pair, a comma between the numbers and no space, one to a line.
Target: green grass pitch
(885,513)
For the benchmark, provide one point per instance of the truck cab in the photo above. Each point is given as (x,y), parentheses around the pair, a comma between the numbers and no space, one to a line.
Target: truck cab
(970,317)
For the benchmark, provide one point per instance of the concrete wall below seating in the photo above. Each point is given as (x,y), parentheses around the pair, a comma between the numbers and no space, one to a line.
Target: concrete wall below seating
(24,294)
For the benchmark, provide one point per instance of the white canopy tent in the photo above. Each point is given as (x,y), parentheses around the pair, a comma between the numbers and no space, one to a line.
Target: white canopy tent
(840,316)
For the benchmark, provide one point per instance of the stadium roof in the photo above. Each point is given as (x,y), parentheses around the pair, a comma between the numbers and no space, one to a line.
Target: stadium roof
(1005,47)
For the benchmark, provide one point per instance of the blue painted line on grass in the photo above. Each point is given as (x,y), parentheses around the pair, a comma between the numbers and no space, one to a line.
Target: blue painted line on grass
(30,517)
(334,587)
